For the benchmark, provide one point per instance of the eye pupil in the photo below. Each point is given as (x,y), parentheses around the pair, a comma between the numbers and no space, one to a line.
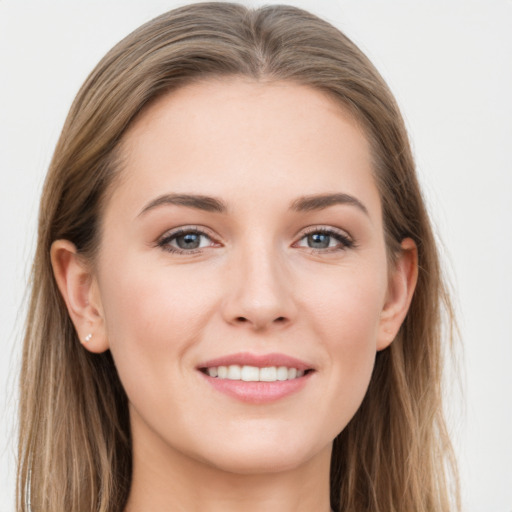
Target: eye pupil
(319,240)
(188,241)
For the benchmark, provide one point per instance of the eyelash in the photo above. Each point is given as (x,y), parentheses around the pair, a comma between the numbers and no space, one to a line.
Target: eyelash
(165,241)
(344,240)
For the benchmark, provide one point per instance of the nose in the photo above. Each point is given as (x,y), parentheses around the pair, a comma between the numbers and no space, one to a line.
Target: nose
(259,291)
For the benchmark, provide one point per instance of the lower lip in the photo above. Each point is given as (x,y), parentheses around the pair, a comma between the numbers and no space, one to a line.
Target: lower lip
(258,392)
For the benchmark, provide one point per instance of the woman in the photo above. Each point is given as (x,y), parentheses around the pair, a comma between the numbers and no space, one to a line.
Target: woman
(236,294)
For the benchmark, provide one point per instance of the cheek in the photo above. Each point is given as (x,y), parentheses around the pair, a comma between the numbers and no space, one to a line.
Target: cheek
(346,306)
(152,318)
(140,297)
(345,316)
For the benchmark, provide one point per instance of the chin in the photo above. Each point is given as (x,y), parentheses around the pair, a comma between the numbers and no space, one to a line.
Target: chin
(260,463)
(258,453)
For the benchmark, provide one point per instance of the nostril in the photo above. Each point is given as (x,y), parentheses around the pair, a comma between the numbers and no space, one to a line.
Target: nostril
(259,323)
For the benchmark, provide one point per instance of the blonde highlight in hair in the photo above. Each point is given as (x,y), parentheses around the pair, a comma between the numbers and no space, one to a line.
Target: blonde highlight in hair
(74,441)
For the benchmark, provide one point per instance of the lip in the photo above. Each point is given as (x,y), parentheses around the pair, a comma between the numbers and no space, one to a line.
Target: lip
(257,392)
(258,360)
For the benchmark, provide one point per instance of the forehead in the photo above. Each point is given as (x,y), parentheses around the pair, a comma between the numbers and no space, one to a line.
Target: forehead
(240,140)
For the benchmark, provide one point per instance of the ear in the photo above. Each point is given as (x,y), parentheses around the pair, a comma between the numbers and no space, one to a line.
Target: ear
(401,285)
(80,292)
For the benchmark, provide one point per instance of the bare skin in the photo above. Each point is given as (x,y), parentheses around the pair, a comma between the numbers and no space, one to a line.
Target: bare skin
(246,221)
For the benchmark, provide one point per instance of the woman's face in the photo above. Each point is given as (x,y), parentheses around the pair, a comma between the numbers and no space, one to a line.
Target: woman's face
(245,232)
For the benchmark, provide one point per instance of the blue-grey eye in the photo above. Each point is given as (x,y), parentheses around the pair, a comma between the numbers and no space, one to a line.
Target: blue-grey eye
(183,241)
(325,239)
(188,241)
(319,240)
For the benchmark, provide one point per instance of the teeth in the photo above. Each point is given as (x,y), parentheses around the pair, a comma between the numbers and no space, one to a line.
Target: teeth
(250,373)
(282,373)
(268,374)
(234,372)
(255,374)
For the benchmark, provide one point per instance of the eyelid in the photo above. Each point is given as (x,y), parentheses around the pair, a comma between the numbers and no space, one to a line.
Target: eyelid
(323,228)
(164,240)
(341,235)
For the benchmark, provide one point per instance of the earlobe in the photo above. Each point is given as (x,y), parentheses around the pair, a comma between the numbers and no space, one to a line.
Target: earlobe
(79,290)
(401,286)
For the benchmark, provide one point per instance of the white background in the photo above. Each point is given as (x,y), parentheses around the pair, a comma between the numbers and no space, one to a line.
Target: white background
(450,65)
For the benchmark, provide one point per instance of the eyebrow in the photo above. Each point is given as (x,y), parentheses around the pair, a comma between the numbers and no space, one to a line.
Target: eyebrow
(322,201)
(200,202)
(212,204)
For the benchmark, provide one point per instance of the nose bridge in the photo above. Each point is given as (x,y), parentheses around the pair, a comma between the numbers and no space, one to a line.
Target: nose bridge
(259,293)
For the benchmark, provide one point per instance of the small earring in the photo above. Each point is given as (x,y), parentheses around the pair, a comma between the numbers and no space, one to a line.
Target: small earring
(88,338)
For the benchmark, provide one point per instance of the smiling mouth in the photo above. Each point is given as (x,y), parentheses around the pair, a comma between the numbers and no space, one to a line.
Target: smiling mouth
(248,373)
(257,378)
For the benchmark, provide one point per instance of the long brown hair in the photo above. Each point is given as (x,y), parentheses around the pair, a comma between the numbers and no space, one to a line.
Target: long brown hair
(74,444)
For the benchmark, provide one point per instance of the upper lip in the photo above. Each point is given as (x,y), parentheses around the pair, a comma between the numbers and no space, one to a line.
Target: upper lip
(258,360)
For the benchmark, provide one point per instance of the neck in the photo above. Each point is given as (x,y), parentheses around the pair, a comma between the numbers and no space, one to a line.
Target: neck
(165,480)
